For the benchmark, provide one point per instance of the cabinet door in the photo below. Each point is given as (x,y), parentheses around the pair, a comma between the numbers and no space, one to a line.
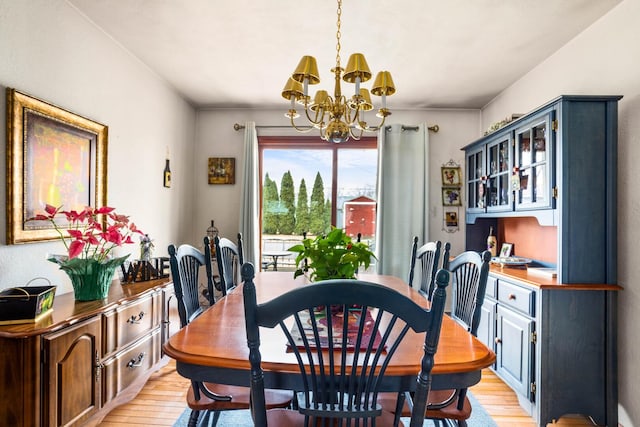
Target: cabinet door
(487,326)
(499,166)
(72,373)
(476,185)
(514,350)
(170,315)
(534,162)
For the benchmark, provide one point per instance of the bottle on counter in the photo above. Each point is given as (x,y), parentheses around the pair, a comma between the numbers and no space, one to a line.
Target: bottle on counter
(492,243)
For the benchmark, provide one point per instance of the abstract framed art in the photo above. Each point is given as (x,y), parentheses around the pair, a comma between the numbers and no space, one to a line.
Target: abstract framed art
(54,157)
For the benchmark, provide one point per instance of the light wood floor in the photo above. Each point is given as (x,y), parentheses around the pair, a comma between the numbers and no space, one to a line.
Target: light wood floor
(162,400)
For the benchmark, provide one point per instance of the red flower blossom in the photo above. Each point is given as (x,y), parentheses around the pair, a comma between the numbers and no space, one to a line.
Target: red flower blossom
(93,232)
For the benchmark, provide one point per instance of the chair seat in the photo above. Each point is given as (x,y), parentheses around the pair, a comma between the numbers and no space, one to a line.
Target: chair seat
(388,403)
(290,417)
(240,398)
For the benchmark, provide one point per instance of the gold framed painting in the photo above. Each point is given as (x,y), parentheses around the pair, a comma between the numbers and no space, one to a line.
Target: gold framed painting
(54,157)
(222,170)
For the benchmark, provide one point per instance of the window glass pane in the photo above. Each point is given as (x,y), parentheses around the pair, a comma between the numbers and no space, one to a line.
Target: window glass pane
(296,195)
(299,194)
(356,201)
(287,173)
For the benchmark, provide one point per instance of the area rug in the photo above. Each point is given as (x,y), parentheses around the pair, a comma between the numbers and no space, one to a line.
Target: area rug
(479,418)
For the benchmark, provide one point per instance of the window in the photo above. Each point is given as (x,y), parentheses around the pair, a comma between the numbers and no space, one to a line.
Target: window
(308,185)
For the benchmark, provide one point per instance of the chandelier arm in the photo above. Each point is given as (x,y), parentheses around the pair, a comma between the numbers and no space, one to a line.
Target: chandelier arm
(381,123)
(322,134)
(318,118)
(354,136)
(365,127)
(352,115)
(302,130)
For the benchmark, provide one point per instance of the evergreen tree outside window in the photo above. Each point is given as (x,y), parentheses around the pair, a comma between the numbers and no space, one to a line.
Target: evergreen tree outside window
(317,213)
(302,209)
(287,202)
(270,206)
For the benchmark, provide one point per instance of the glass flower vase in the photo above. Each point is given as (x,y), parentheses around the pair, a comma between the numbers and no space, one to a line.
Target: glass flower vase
(91,279)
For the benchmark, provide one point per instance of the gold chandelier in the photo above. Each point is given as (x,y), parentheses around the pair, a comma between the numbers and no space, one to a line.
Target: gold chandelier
(337,117)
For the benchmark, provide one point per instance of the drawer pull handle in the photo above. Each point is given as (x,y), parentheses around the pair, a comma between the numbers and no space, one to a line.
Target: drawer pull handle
(512,296)
(498,340)
(134,320)
(136,362)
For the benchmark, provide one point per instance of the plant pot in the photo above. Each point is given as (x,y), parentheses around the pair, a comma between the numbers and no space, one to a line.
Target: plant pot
(90,278)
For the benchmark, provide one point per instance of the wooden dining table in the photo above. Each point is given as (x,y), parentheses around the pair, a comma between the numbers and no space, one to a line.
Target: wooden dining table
(213,347)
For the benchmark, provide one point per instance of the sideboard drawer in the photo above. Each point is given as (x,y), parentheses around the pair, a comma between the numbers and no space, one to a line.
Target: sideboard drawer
(121,370)
(131,321)
(516,297)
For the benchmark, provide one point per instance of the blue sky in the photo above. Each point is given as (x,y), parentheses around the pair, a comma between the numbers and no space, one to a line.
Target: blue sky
(357,168)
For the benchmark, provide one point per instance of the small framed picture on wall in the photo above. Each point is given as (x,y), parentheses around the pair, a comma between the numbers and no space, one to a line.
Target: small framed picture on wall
(451,176)
(451,197)
(451,218)
(222,170)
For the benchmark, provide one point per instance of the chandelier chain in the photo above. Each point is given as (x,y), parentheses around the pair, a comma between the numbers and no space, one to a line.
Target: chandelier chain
(338,34)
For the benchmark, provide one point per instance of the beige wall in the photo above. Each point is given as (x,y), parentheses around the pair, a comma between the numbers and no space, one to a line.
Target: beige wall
(603,60)
(51,52)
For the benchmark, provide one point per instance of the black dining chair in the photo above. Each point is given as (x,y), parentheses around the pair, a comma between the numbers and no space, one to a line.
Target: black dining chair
(230,257)
(335,389)
(469,274)
(186,262)
(426,257)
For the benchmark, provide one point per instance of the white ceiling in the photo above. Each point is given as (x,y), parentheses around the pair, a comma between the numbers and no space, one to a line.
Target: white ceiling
(441,53)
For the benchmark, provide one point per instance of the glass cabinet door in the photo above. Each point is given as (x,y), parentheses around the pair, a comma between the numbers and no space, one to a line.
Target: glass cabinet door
(476,185)
(499,168)
(533,161)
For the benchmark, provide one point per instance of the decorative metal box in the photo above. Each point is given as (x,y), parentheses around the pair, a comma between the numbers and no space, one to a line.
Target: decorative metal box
(26,304)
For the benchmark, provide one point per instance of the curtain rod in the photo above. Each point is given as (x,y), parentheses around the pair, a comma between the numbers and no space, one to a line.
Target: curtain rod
(434,128)
(237,126)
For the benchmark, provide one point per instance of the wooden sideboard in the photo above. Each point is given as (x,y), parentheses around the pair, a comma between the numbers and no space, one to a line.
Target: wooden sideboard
(84,358)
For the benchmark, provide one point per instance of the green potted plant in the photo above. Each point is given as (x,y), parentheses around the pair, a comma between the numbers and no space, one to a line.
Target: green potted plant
(334,256)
